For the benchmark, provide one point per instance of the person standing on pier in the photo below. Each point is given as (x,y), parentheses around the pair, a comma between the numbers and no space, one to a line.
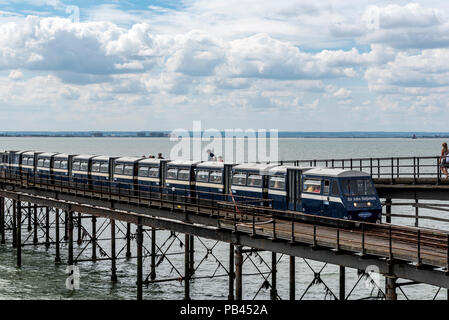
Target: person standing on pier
(444,159)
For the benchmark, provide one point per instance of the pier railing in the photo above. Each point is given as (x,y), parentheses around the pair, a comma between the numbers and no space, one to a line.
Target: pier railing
(379,168)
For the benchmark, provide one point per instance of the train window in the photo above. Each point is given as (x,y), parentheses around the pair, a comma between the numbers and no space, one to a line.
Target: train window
(334,189)
(64,164)
(216,177)
(254,180)
(57,164)
(143,172)
(30,161)
(96,166)
(47,163)
(172,173)
(129,170)
(118,169)
(104,167)
(326,187)
(277,183)
(184,174)
(16,159)
(202,175)
(360,187)
(239,179)
(312,186)
(84,165)
(40,163)
(76,166)
(153,172)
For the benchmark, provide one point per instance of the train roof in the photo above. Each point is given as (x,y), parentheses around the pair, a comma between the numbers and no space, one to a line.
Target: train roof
(183,163)
(151,161)
(102,158)
(283,169)
(83,157)
(339,173)
(48,154)
(31,153)
(62,155)
(211,164)
(128,159)
(255,166)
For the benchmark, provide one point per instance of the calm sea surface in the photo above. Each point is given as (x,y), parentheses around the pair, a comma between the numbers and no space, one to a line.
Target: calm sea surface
(40,278)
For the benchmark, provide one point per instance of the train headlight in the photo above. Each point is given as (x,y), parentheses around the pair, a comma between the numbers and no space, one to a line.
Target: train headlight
(355,204)
(369,204)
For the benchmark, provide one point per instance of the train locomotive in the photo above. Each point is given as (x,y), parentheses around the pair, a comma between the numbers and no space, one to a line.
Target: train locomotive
(320,192)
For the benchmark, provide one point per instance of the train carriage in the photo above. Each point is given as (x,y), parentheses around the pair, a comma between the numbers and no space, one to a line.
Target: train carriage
(180,179)
(124,178)
(62,168)
(250,180)
(29,163)
(102,171)
(212,180)
(4,161)
(151,177)
(15,161)
(81,169)
(339,193)
(44,165)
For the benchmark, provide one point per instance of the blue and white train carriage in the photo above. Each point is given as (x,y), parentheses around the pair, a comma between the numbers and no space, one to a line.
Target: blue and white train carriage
(62,167)
(151,176)
(180,178)
(212,180)
(45,162)
(101,173)
(340,193)
(124,178)
(81,168)
(250,180)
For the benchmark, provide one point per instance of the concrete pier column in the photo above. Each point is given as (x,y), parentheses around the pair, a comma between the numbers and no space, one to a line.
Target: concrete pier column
(187,267)
(238,272)
(139,241)
(342,283)
(390,288)
(292,287)
(231,272)
(57,238)
(113,253)
(18,214)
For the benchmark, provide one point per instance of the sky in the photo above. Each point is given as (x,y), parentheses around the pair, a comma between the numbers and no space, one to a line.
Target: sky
(290,65)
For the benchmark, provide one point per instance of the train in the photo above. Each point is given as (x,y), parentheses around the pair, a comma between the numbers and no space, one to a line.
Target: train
(316,191)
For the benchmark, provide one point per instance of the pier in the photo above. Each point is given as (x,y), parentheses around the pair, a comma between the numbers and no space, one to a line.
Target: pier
(52,213)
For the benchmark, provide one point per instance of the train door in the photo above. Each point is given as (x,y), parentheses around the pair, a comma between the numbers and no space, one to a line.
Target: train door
(335,204)
(294,189)
(325,204)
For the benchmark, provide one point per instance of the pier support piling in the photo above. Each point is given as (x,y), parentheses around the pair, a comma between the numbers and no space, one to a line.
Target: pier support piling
(57,240)
(80,226)
(47,227)
(2,220)
(29,217)
(292,287)
(238,272)
(231,272)
(390,288)
(128,240)
(94,239)
(139,241)
(273,292)
(192,255)
(14,224)
(187,267)
(113,253)
(69,223)
(35,224)
(153,254)
(18,213)
(342,283)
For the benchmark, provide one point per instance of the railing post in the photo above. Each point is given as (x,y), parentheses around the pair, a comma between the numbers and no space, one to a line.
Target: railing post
(438,170)
(363,239)
(414,170)
(392,170)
